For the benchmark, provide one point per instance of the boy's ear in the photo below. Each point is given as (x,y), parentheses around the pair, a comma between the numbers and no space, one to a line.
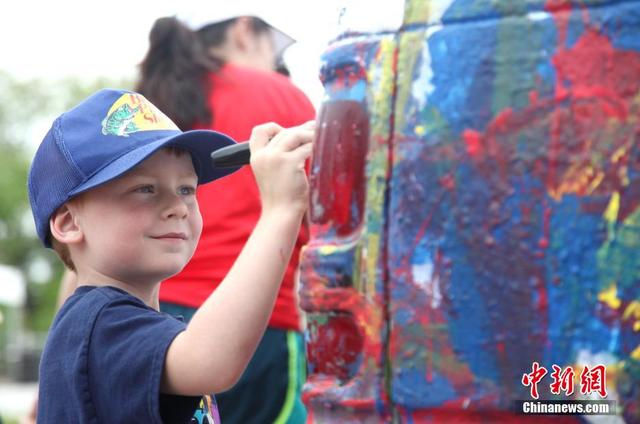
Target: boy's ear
(64,226)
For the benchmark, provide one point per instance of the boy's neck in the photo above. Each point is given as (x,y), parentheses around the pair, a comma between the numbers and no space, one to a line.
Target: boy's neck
(148,293)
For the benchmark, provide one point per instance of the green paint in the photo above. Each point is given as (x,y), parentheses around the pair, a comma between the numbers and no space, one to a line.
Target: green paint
(416,11)
(409,50)
(619,256)
(509,7)
(317,319)
(518,51)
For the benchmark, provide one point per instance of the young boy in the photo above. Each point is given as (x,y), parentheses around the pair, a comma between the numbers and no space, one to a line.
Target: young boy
(112,190)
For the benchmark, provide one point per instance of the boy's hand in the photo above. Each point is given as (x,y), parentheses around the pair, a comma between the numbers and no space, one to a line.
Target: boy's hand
(250,289)
(277,158)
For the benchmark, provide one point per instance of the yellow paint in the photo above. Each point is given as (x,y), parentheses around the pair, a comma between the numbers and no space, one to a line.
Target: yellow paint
(579,179)
(370,242)
(420,130)
(328,249)
(595,182)
(614,371)
(620,152)
(373,252)
(632,311)
(410,49)
(636,353)
(610,297)
(381,78)
(611,213)
(373,323)
(623,176)
(416,11)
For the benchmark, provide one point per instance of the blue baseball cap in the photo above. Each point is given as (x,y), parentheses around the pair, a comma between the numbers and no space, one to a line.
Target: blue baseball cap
(103,137)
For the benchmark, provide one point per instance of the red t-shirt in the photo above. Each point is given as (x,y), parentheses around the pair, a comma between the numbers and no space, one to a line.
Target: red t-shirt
(241,98)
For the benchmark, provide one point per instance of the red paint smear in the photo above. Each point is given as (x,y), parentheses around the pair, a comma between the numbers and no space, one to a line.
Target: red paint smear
(406,265)
(348,77)
(473,140)
(448,182)
(361,337)
(557,5)
(594,68)
(543,298)
(560,10)
(543,243)
(595,88)
(342,141)
(334,346)
(502,120)
(432,342)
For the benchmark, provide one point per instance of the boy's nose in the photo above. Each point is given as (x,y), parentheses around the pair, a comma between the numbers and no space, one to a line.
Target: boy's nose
(175,207)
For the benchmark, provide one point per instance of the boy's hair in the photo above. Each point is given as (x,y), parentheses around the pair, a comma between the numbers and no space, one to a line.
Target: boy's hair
(103,137)
(63,253)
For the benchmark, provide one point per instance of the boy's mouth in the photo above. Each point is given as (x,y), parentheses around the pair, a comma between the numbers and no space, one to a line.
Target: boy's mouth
(171,236)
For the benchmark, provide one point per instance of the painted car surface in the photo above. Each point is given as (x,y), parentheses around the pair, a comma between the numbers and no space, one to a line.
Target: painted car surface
(475,212)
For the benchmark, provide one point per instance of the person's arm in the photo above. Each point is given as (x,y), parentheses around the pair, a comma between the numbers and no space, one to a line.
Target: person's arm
(211,354)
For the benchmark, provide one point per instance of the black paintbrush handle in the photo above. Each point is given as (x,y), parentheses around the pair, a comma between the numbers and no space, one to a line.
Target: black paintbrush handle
(231,156)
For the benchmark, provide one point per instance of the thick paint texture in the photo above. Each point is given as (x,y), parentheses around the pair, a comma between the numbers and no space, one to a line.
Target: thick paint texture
(475,208)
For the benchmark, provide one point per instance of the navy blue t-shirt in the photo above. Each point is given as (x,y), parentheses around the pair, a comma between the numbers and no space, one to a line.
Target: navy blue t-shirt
(103,363)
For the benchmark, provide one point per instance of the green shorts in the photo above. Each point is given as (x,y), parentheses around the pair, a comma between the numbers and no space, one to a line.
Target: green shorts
(269,390)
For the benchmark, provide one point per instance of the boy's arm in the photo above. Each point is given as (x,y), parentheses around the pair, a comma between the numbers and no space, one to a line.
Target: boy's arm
(211,354)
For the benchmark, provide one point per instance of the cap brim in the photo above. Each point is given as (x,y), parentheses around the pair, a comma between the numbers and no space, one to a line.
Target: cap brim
(200,143)
(280,41)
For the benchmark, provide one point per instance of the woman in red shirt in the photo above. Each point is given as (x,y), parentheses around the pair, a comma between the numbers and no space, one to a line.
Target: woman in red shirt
(222,76)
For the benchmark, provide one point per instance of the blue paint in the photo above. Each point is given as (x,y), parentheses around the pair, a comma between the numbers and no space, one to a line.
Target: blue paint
(473,189)
(356,92)
(470,10)
(411,389)
(460,79)
(620,25)
(573,323)
(575,27)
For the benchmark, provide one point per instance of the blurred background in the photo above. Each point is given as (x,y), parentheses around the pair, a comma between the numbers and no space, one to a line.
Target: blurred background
(53,54)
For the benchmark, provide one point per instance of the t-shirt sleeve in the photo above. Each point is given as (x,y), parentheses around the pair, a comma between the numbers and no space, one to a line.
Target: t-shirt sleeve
(126,359)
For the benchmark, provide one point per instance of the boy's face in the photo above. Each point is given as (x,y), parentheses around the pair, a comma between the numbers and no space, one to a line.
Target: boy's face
(143,226)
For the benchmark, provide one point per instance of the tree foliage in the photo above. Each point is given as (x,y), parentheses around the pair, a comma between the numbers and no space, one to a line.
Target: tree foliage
(26,112)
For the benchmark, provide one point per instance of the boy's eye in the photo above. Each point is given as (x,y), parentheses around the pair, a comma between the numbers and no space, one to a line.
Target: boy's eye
(145,189)
(186,190)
